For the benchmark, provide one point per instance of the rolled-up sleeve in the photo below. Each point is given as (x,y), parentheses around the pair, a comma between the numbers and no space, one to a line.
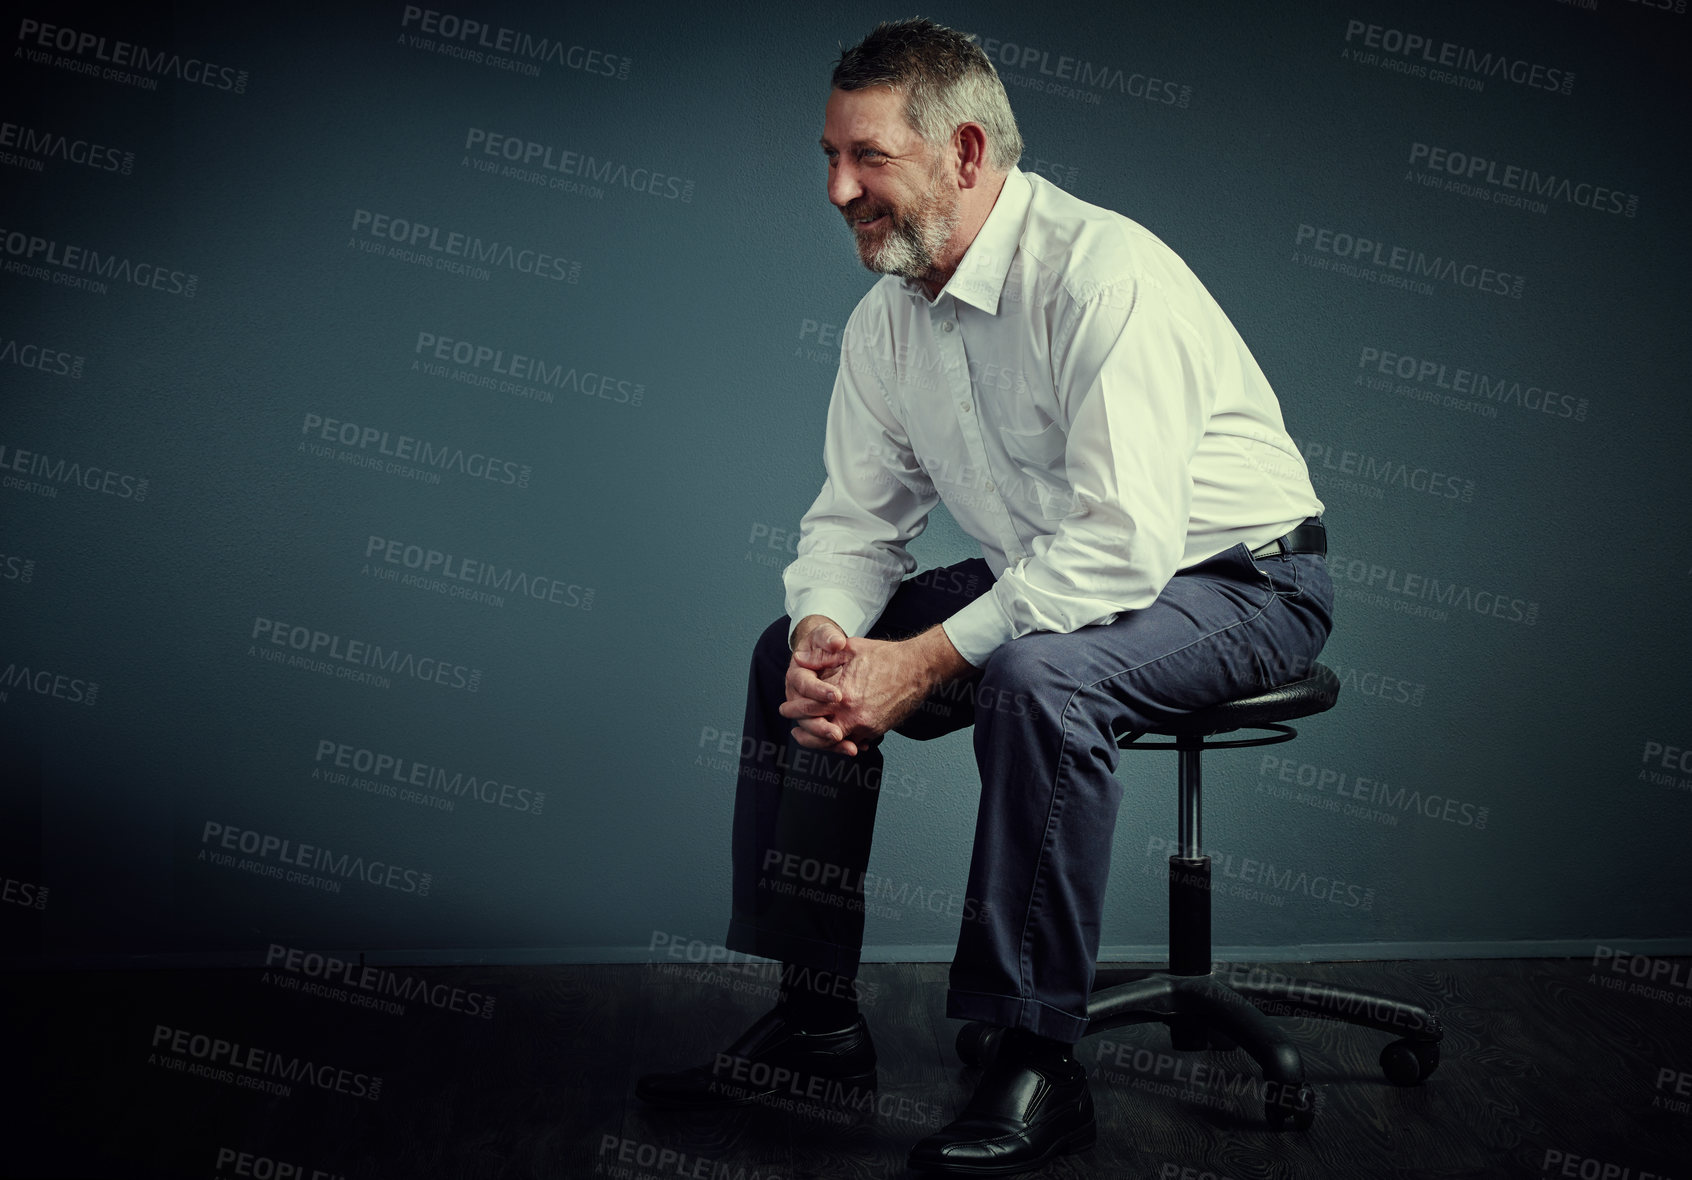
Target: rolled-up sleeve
(874,500)
(1136,389)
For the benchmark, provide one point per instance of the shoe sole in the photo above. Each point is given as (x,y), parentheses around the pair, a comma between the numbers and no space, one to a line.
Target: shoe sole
(1079,1139)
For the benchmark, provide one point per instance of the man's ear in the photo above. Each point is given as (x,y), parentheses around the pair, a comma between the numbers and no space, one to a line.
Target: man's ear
(969,141)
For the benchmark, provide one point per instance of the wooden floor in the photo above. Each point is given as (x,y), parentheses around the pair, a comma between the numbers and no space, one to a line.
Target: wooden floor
(1550,1069)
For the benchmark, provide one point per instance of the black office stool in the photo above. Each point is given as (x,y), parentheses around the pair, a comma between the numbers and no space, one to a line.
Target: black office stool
(1206,1009)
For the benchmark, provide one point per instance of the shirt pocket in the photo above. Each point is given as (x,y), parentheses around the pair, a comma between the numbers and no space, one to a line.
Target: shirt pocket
(1041,449)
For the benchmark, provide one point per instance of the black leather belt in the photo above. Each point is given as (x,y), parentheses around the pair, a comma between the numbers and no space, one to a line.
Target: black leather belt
(1309,537)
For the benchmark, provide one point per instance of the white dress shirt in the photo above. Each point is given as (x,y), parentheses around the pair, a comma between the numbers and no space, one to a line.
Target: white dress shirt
(1079,403)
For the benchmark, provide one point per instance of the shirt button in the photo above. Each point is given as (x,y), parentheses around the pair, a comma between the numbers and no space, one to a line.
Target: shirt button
(988,485)
(948,325)
(964,406)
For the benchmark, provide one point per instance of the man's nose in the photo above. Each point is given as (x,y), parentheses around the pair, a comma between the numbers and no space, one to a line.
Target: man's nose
(843,186)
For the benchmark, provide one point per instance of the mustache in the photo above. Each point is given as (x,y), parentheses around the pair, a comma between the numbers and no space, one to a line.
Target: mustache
(862,208)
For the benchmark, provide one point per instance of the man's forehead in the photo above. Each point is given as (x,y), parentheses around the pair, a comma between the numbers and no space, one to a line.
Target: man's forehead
(874,113)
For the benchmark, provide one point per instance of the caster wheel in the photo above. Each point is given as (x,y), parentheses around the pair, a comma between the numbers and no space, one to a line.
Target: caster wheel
(1408,1063)
(1296,1104)
(978,1043)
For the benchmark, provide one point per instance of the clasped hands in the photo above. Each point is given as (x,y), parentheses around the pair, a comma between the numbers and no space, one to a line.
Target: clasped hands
(844,694)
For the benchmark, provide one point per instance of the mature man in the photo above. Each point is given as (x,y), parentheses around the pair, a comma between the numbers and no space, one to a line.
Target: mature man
(1059,379)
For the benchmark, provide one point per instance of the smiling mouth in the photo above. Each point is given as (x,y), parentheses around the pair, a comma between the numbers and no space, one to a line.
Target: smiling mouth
(859,223)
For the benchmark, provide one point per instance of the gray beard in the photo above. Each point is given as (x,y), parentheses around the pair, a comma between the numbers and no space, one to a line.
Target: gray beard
(912,244)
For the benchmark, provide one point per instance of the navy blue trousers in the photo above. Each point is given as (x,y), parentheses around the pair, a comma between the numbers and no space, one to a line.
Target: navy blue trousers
(1044,707)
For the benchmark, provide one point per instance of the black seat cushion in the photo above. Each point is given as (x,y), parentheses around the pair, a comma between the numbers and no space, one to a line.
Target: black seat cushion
(1302,698)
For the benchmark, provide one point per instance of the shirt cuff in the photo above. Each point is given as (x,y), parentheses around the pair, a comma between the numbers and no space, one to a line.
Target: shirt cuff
(833,604)
(979,629)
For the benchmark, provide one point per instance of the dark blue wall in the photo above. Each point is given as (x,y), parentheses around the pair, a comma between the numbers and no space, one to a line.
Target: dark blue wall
(238,414)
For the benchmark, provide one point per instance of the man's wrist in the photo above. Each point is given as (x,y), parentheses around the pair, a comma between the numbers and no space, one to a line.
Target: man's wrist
(940,658)
(805,626)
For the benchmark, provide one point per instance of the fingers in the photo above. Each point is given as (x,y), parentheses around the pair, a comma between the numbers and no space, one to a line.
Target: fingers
(825,637)
(804,684)
(823,646)
(844,746)
(810,657)
(817,733)
(795,708)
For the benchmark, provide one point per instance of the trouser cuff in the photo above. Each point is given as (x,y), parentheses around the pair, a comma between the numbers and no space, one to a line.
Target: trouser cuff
(1016,1012)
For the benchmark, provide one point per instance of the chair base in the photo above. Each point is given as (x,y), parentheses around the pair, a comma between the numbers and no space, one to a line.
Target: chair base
(1236,1007)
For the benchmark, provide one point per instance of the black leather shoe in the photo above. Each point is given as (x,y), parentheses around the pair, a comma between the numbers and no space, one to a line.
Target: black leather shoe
(1022,1115)
(773,1059)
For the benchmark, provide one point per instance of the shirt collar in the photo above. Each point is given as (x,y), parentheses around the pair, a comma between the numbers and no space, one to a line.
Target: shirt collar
(980,277)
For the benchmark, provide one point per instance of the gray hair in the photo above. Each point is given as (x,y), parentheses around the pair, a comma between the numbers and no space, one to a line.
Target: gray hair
(946,78)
